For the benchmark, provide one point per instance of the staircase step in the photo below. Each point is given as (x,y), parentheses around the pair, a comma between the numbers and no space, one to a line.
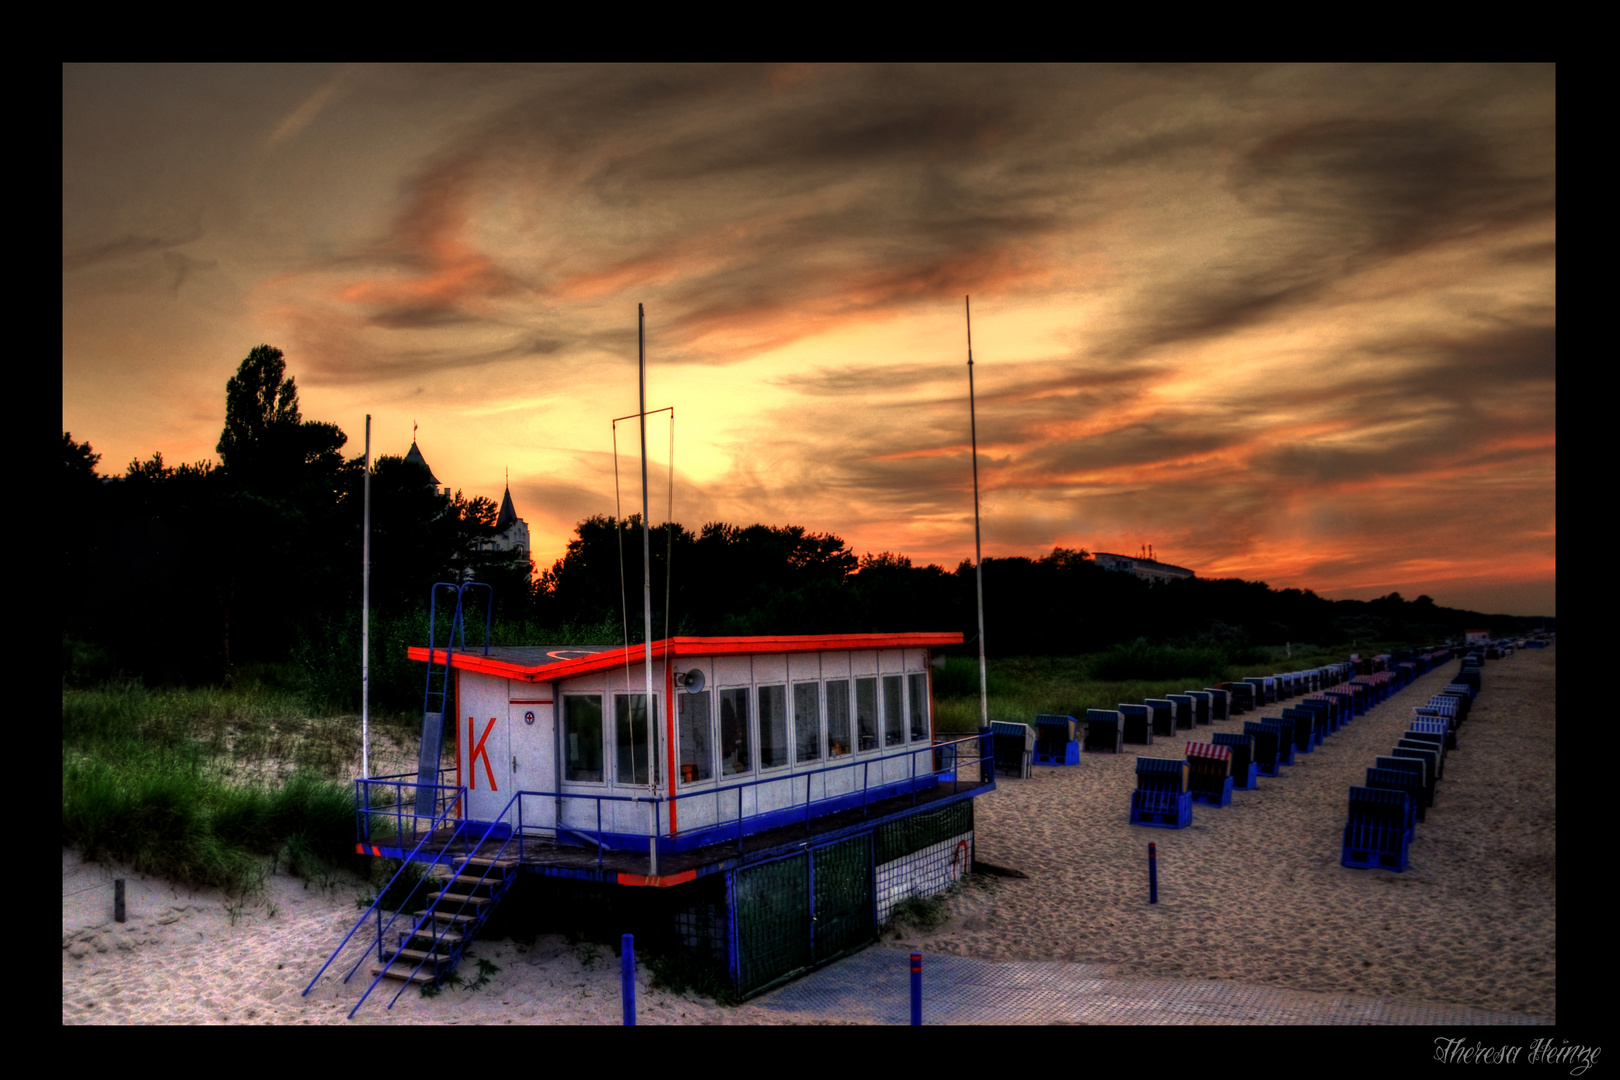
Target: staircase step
(443,917)
(505,861)
(459,898)
(413,955)
(446,937)
(406,972)
(471,881)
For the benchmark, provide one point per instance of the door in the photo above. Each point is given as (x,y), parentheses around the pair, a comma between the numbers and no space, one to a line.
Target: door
(533,744)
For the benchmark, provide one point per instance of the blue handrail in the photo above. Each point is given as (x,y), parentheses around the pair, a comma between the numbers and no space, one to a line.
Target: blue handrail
(409,859)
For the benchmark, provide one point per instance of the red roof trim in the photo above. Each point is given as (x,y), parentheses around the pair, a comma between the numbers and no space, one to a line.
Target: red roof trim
(685,646)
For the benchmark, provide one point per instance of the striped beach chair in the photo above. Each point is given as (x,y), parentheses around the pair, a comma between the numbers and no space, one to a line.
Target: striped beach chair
(1209,773)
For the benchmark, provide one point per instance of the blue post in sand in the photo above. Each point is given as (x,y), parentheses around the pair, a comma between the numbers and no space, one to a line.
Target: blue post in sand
(627,977)
(1153,873)
(916,989)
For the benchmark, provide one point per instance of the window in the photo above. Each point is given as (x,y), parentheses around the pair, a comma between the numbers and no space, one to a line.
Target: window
(838,718)
(736,750)
(918,712)
(630,727)
(773,746)
(696,761)
(894,728)
(866,712)
(582,737)
(807,721)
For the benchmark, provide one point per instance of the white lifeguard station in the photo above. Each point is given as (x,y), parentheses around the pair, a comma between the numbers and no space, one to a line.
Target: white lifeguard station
(787,793)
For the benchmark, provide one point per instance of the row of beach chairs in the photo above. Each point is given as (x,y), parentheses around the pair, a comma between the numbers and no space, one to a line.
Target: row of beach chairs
(1400,786)
(1209,772)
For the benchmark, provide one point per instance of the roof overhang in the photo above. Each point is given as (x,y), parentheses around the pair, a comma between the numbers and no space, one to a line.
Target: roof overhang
(532,669)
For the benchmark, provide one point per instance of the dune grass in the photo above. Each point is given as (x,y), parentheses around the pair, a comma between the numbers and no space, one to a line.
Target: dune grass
(205,786)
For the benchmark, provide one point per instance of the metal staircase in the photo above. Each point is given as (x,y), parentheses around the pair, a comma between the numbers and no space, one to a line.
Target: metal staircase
(472,865)
(446,910)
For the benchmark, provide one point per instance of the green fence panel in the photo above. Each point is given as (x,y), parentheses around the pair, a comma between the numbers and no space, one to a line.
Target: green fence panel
(843,915)
(771,906)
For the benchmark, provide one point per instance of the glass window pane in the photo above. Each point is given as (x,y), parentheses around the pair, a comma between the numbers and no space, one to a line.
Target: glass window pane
(696,758)
(917,709)
(838,718)
(582,737)
(866,712)
(736,749)
(894,729)
(807,721)
(630,730)
(773,748)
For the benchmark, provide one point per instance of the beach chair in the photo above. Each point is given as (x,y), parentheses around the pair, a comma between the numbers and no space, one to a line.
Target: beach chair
(1136,724)
(1219,704)
(1267,745)
(1395,780)
(1105,731)
(1305,736)
(1245,772)
(1164,716)
(1431,767)
(1161,798)
(1055,742)
(1329,707)
(1201,705)
(1285,737)
(1434,724)
(1418,768)
(1014,747)
(1209,773)
(1433,739)
(1184,711)
(1437,764)
(1376,836)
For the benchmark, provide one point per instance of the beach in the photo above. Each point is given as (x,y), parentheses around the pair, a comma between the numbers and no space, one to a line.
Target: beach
(1250,893)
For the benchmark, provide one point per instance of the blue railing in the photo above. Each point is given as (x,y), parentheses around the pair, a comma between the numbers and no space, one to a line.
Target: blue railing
(391,803)
(376,905)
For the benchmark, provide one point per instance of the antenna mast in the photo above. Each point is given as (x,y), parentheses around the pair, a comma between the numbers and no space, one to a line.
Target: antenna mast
(365,620)
(646,592)
(978,553)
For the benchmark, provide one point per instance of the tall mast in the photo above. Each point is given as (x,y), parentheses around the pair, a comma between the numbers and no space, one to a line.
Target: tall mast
(978,551)
(646,580)
(365,619)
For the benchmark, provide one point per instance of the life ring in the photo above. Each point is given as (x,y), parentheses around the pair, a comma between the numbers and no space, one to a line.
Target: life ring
(963,855)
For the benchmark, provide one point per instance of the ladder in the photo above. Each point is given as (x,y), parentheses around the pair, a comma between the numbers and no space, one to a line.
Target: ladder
(436,696)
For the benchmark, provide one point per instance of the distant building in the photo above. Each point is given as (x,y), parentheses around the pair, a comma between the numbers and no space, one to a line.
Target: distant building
(1143,567)
(511,531)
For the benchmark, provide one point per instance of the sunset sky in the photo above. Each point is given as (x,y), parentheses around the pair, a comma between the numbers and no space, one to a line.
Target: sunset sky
(1285,323)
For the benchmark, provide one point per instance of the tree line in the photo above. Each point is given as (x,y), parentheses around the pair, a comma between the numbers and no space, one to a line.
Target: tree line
(200,571)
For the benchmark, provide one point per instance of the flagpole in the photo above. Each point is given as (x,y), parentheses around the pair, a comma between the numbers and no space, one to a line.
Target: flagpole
(646,581)
(365,619)
(978,550)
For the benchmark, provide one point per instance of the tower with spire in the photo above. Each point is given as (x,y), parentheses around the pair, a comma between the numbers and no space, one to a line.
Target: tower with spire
(511,532)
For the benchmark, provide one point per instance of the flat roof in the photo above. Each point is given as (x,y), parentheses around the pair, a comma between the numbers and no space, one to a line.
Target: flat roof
(543,663)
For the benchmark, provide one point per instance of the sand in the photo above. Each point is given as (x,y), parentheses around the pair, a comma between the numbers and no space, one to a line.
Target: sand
(1252,893)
